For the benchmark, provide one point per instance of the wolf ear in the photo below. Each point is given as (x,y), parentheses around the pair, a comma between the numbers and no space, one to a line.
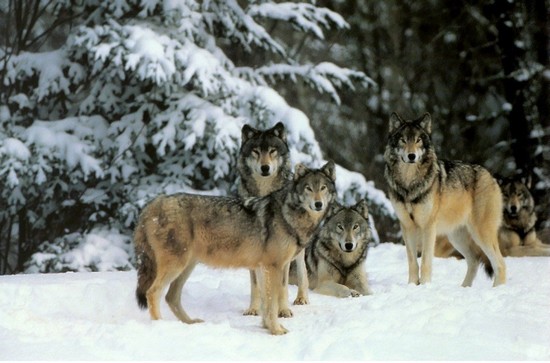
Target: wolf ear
(248,132)
(330,170)
(361,208)
(279,131)
(300,170)
(426,123)
(334,208)
(395,121)
(527,181)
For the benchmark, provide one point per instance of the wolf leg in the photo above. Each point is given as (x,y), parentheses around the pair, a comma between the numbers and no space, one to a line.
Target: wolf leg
(284,310)
(166,273)
(303,283)
(486,238)
(412,253)
(332,288)
(532,240)
(271,289)
(357,280)
(428,246)
(463,243)
(532,251)
(173,297)
(255,295)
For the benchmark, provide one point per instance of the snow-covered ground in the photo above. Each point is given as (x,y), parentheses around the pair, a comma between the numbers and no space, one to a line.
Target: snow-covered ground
(83,316)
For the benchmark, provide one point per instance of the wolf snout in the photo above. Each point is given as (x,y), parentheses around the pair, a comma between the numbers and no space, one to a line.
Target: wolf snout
(411,157)
(513,209)
(318,206)
(347,246)
(265,170)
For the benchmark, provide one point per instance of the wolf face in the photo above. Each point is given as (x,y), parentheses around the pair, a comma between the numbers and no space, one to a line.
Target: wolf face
(410,139)
(315,188)
(348,227)
(264,152)
(516,196)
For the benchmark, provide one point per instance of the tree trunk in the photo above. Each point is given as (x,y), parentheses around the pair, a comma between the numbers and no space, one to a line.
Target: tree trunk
(515,87)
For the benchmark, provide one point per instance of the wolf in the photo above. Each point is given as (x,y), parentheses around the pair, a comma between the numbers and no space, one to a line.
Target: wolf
(434,197)
(335,259)
(176,232)
(517,235)
(264,167)
(264,161)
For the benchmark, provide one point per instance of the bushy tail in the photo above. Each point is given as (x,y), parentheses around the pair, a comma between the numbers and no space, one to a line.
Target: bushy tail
(146,266)
(487,266)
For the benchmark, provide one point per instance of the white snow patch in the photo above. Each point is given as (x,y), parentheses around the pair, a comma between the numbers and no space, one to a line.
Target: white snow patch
(94,316)
(16,148)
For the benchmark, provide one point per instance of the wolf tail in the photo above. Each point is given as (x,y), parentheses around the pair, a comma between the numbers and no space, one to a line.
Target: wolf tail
(487,266)
(147,267)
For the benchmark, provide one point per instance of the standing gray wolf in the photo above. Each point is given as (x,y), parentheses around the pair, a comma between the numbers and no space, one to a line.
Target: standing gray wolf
(175,232)
(335,258)
(517,235)
(433,197)
(264,167)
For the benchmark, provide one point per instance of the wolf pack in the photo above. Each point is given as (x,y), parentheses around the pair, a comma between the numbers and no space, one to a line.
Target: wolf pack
(286,225)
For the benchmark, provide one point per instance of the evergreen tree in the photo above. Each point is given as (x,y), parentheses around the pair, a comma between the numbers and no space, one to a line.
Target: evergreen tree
(106,104)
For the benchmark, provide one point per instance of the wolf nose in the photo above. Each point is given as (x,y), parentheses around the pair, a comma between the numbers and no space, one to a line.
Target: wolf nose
(411,157)
(265,169)
(513,209)
(318,205)
(348,246)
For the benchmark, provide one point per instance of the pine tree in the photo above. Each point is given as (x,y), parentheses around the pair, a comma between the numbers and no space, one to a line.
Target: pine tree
(141,97)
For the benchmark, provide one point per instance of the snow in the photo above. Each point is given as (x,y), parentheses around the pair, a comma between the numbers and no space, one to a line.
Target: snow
(15,148)
(83,316)
(306,16)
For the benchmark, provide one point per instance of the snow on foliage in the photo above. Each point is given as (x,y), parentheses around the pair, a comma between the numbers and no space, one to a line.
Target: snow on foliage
(144,97)
(99,250)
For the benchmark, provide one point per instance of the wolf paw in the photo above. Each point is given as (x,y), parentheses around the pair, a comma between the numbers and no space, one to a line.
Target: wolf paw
(251,311)
(301,301)
(285,313)
(278,330)
(354,293)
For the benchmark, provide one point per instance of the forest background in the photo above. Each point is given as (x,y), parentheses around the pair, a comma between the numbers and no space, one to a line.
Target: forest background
(104,105)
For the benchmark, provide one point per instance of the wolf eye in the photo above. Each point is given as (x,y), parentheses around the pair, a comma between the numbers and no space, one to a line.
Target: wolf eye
(308,188)
(402,141)
(355,227)
(272,151)
(339,227)
(323,188)
(256,152)
(418,140)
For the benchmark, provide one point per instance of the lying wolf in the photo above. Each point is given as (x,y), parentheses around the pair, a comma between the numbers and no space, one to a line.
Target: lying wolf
(517,235)
(176,232)
(336,257)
